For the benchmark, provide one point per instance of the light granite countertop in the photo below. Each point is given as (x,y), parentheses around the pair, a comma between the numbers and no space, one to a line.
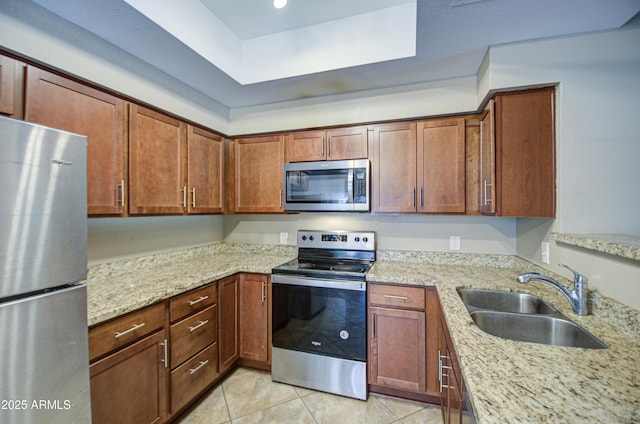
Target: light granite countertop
(114,289)
(508,381)
(623,245)
(517,382)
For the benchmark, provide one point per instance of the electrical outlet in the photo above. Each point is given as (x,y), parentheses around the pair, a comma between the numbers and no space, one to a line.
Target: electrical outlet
(454,243)
(284,238)
(545,252)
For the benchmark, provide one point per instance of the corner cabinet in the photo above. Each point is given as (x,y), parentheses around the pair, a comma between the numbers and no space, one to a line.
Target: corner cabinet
(61,103)
(335,144)
(258,174)
(517,154)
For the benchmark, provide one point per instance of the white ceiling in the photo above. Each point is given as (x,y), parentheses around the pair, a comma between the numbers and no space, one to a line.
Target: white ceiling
(450,41)
(254,18)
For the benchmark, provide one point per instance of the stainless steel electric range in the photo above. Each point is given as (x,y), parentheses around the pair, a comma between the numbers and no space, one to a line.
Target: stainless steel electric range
(319,332)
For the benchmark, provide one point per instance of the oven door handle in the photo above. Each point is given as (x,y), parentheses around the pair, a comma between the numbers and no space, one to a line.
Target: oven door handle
(316,282)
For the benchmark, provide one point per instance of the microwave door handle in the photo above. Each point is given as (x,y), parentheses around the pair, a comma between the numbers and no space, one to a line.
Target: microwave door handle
(350,186)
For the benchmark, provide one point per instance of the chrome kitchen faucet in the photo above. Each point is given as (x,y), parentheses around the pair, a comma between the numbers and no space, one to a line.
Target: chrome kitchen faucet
(577,297)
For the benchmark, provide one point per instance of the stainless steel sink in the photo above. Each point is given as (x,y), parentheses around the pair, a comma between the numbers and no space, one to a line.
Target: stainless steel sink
(504,301)
(525,318)
(546,329)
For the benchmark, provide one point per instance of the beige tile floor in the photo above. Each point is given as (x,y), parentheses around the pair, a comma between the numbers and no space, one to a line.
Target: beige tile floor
(251,397)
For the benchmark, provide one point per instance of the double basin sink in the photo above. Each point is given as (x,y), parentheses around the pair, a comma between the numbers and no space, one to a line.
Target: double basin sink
(526,318)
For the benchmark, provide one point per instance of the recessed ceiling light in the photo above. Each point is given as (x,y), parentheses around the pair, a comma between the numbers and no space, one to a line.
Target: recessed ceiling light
(279,4)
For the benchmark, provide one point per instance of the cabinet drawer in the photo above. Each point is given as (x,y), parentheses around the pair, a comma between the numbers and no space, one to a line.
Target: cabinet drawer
(396,296)
(190,378)
(112,335)
(192,334)
(193,301)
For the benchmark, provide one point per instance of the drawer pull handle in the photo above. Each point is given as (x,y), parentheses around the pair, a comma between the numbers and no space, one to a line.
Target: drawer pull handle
(391,296)
(132,329)
(200,324)
(198,300)
(200,365)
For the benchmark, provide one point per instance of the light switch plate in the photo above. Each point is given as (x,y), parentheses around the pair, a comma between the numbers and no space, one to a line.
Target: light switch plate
(454,243)
(284,238)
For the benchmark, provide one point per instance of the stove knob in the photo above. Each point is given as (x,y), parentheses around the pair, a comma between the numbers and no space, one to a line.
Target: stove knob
(310,238)
(365,239)
(304,237)
(357,239)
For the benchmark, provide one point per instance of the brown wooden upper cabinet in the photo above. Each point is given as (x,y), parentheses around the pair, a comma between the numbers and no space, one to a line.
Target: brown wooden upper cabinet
(333,144)
(157,157)
(205,163)
(419,167)
(259,167)
(61,103)
(517,159)
(441,166)
(11,87)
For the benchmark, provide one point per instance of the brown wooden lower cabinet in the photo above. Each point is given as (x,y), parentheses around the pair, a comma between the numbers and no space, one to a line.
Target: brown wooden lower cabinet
(404,324)
(191,378)
(130,385)
(148,366)
(255,324)
(228,291)
(452,390)
(397,349)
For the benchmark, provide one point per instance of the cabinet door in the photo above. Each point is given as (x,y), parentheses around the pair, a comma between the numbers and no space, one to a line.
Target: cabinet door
(472,164)
(60,103)
(487,160)
(306,146)
(394,168)
(397,349)
(129,386)
(11,83)
(440,163)
(525,153)
(259,163)
(228,327)
(347,143)
(205,153)
(254,317)
(156,163)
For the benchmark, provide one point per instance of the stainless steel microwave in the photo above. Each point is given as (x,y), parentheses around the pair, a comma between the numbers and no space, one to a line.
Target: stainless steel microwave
(341,185)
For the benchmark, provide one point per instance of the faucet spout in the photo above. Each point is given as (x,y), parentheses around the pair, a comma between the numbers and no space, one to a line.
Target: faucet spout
(577,297)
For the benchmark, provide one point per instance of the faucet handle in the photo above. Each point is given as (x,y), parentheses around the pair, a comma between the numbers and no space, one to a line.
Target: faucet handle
(577,277)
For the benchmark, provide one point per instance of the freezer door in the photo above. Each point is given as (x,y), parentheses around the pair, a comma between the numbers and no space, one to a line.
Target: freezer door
(44,359)
(43,235)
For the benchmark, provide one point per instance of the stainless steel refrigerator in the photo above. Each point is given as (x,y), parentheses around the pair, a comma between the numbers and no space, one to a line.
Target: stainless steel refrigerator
(44,360)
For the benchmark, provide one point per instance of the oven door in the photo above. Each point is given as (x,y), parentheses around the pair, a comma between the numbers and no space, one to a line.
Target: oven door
(327,186)
(326,317)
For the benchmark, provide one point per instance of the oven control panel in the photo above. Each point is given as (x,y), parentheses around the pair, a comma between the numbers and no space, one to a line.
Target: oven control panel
(357,240)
